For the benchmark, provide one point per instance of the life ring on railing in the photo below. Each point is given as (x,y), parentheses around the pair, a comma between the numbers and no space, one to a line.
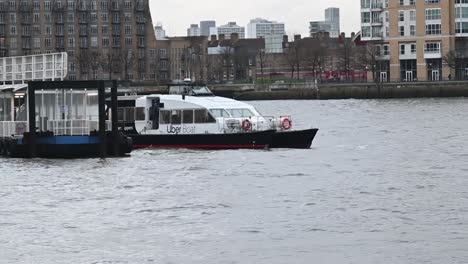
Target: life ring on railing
(246,125)
(286,124)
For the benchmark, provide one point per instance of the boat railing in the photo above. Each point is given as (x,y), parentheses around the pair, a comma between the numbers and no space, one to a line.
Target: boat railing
(255,123)
(13,128)
(75,127)
(245,124)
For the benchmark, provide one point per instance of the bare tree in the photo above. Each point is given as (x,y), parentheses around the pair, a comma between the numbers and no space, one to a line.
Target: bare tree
(346,51)
(83,59)
(227,54)
(450,59)
(262,59)
(368,58)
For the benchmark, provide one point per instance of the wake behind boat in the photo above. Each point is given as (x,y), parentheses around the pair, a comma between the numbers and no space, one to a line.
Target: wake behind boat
(191,116)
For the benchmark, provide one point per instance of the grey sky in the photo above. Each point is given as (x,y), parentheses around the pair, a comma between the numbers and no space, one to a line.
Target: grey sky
(177,15)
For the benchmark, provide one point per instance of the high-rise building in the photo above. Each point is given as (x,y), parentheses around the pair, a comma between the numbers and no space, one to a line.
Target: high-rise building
(160,32)
(104,39)
(193,31)
(412,38)
(205,27)
(332,17)
(318,27)
(227,30)
(330,25)
(271,31)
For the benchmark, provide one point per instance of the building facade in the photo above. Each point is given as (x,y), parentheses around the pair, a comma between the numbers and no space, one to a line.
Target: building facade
(160,32)
(193,31)
(182,57)
(104,39)
(227,30)
(319,27)
(205,27)
(332,17)
(331,24)
(414,39)
(271,31)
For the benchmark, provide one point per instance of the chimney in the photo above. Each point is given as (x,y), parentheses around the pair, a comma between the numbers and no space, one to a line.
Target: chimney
(297,38)
(214,38)
(221,37)
(285,39)
(234,36)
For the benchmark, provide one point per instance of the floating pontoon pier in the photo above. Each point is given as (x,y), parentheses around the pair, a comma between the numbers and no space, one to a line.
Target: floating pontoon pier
(56,119)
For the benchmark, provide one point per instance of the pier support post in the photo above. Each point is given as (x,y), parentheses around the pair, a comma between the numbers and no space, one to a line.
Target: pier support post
(114,114)
(32,137)
(102,119)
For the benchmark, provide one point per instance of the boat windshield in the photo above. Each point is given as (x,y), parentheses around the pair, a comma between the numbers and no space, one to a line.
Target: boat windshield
(219,113)
(201,90)
(236,113)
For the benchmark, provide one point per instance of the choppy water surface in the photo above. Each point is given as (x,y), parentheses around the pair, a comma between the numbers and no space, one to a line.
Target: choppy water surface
(386,182)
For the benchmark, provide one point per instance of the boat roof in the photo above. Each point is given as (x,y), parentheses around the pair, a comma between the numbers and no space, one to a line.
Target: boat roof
(13,87)
(210,102)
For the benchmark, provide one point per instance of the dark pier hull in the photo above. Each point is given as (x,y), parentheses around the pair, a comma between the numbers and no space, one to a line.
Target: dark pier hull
(251,140)
(66,147)
(300,139)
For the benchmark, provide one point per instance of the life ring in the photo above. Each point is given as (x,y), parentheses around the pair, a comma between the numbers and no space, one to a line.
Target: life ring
(246,125)
(286,124)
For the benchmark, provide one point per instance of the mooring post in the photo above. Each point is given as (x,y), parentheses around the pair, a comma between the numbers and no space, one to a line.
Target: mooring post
(102,119)
(115,120)
(32,139)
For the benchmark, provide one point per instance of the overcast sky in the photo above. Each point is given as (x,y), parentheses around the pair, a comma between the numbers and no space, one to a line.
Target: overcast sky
(177,15)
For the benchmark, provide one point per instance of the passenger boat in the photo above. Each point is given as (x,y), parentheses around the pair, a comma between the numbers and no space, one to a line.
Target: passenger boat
(191,116)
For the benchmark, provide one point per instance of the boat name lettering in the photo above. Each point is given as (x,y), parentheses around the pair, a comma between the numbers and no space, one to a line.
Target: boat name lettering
(180,129)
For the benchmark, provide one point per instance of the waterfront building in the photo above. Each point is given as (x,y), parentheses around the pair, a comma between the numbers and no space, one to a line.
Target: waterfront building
(331,24)
(319,27)
(271,31)
(181,57)
(193,31)
(160,32)
(417,40)
(227,30)
(205,27)
(332,17)
(104,39)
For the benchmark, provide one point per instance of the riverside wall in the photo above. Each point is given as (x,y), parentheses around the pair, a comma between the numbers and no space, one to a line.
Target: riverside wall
(345,91)
(327,91)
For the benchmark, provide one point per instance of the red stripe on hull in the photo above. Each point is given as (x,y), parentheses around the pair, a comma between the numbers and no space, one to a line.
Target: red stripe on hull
(202,146)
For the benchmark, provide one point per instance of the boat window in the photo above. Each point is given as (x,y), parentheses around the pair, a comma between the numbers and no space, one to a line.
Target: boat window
(203,116)
(165,117)
(129,114)
(140,113)
(240,113)
(187,117)
(126,114)
(120,113)
(219,113)
(176,117)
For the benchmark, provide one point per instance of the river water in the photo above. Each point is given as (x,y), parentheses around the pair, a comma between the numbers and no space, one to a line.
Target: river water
(386,182)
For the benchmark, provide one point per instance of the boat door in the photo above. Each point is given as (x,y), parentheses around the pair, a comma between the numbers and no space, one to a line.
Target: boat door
(435,75)
(409,76)
(383,77)
(154,112)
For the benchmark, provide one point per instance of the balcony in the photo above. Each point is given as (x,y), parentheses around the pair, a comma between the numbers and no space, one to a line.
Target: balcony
(377,22)
(377,7)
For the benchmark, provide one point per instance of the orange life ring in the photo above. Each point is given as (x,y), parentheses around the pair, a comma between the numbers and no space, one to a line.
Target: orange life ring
(286,124)
(246,125)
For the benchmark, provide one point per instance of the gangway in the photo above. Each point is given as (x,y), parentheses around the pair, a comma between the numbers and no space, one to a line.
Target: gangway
(43,67)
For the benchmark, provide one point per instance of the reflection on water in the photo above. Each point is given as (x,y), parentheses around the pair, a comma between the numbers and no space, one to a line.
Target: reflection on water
(384,183)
